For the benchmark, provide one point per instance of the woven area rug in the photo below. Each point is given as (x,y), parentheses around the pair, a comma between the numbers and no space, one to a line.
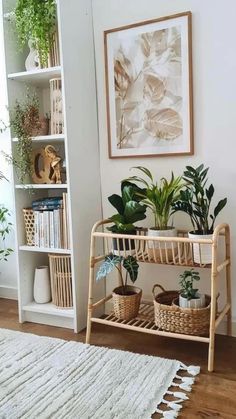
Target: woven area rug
(43,378)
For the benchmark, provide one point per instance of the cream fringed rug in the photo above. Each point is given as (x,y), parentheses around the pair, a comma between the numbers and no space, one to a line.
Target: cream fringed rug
(43,378)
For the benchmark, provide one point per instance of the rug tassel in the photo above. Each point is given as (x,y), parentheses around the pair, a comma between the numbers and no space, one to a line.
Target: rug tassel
(192,369)
(185,386)
(168,414)
(188,380)
(180,395)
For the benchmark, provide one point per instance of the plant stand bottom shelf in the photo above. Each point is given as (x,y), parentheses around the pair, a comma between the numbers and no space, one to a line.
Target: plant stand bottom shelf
(144,322)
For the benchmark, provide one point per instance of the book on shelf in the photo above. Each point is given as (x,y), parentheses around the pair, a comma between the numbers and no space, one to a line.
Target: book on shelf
(51,223)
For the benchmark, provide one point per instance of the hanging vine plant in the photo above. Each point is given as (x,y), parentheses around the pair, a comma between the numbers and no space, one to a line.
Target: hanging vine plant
(24,121)
(36,20)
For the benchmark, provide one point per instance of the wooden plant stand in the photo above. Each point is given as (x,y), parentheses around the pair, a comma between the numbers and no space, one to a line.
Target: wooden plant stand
(181,255)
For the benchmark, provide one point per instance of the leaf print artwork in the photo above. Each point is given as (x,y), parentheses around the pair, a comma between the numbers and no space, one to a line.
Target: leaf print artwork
(149,92)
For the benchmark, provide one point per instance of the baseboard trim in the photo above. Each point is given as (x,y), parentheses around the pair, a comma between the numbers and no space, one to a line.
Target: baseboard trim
(8,292)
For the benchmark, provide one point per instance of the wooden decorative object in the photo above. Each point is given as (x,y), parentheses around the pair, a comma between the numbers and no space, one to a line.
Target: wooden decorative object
(144,322)
(55,164)
(41,166)
(61,280)
(54,53)
(169,316)
(57,120)
(29,226)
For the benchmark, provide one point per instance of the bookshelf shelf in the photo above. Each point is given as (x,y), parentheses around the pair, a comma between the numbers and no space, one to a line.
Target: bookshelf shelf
(45,138)
(49,308)
(42,186)
(39,78)
(44,249)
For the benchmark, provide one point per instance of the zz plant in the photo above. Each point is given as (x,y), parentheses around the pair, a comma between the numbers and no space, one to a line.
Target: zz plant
(112,262)
(36,20)
(196,200)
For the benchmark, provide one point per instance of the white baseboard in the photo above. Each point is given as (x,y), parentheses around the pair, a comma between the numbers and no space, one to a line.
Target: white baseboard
(8,292)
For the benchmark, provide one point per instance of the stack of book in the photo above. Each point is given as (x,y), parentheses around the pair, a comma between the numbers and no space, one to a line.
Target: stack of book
(51,225)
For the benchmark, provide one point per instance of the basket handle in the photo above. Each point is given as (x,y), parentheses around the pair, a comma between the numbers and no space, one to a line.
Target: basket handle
(154,288)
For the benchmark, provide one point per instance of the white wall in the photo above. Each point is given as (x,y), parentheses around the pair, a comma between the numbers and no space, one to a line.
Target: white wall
(214,84)
(8,280)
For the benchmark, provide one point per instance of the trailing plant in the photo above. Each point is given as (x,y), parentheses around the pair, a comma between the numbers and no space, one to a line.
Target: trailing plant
(186,282)
(129,209)
(5,228)
(196,200)
(112,262)
(24,120)
(36,20)
(159,197)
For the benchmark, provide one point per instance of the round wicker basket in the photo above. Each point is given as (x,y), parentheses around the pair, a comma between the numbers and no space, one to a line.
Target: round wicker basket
(172,318)
(126,307)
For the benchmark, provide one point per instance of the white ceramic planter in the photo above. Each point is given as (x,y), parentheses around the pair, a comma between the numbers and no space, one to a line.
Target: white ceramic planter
(202,253)
(198,302)
(154,247)
(42,286)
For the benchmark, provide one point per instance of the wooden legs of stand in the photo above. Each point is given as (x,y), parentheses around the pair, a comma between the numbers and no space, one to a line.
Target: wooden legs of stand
(211,351)
(90,302)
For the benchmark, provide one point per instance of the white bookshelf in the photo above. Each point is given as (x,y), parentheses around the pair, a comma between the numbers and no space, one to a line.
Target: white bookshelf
(80,146)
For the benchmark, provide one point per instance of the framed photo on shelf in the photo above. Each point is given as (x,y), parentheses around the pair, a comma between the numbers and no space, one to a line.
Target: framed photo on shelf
(148,69)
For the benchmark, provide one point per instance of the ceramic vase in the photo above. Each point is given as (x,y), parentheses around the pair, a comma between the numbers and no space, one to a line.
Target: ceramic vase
(42,286)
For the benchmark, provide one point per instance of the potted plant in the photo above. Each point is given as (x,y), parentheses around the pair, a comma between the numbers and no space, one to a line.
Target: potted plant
(35,20)
(5,228)
(126,298)
(159,198)
(189,296)
(25,122)
(196,201)
(129,211)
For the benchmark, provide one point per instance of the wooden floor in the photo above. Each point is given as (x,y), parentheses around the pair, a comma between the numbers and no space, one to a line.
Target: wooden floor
(213,395)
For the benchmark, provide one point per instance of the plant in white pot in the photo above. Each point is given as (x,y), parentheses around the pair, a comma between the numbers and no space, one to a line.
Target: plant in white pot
(159,197)
(196,201)
(126,298)
(189,296)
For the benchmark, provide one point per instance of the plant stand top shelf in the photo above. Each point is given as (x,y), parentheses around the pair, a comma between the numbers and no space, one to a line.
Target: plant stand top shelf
(175,251)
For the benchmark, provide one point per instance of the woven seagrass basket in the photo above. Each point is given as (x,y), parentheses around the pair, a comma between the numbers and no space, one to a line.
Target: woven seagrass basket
(126,307)
(172,318)
(29,226)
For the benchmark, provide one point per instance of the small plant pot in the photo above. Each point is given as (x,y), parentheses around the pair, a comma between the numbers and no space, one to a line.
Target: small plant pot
(202,253)
(162,251)
(121,246)
(198,302)
(126,307)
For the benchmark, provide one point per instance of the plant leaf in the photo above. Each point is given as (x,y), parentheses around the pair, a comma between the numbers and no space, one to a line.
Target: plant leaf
(221,204)
(165,124)
(117,202)
(131,265)
(107,266)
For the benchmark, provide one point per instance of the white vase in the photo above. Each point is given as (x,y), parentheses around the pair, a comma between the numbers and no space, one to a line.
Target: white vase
(198,302)
(202,253)
(42,286)
(155,246)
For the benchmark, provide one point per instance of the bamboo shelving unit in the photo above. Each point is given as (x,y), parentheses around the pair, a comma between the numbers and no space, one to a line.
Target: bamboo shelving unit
(172,251)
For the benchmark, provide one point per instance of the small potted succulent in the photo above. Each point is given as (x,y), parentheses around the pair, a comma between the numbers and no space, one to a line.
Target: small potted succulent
(189,296)
(126,298)
(159,198)
(129,211)
(196,201)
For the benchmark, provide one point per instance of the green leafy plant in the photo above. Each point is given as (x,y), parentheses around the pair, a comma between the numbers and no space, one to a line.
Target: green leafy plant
(129,209)
(186,282)
(24,120)
(5,228)
(36,20)
(112,262)
(159,197)
(196,200)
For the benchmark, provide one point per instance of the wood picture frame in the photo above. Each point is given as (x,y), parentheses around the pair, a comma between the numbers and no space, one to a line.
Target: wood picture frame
(149,89)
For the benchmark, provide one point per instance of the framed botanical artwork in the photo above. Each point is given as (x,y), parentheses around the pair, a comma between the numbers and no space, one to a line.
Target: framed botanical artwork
(148,69)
